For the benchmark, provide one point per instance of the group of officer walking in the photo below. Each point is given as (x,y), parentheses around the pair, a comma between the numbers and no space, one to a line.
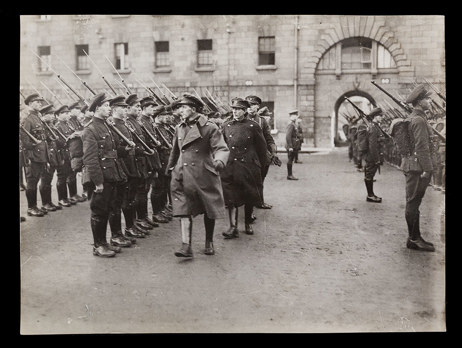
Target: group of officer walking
(126,147)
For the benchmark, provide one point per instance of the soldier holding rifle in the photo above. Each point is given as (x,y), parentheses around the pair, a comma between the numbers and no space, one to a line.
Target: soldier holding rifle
(35,150)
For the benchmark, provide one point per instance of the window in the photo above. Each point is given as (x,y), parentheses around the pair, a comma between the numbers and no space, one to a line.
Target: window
(121,56)
(384,58)
(44,62)
(266,50)
(162,53)
(328,59)
(270,118)
(82,59)
(204,53)
(356,54)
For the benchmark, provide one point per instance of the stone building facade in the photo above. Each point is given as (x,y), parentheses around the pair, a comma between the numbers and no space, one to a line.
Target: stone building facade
(307,62)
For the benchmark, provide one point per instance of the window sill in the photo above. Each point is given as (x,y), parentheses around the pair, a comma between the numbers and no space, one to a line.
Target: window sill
(204,69)
(123,71)
(44,73)
(162,70)
(83,72)
(266,67)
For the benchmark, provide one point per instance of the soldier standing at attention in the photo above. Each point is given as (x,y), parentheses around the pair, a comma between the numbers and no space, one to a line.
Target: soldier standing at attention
(241,178)
(418,166)
(255,103)
(292,143)
(104,173)
(55,160)
(36,154)
(368,139)
(298,124)
(143,164)
(198,155)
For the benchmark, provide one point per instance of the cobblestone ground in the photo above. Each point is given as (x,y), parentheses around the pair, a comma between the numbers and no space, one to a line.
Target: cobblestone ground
(322,260)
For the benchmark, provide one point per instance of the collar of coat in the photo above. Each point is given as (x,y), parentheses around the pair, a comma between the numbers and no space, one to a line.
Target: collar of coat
(193,134)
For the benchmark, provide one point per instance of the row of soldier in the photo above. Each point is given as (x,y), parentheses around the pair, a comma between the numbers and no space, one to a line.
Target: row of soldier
(126,147)
(416,142)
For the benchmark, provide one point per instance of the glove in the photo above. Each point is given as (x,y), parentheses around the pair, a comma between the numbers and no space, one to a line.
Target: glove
(276,161)
(218,165)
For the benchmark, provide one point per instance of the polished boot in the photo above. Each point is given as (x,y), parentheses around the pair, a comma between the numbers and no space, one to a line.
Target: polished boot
(143,225)
(265,206)
(419,244)
(150,222)
(78,198)
(248,229)
(43,210)
(131,232)
(57,207)
(159,218)
(64,203)
(233,232)
(186,232)
(209,229)
(34,211)
(289,172)
(371,197)
(103,251)
(49,207)
(101,247)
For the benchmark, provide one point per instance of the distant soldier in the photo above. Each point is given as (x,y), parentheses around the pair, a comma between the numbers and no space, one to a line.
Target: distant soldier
(271,147)
(368,140)
(198,155)
(104,173)
(75,142)
(55,160)
(292,143)
(36,153)
(418,166)
(241,178)
(298,124)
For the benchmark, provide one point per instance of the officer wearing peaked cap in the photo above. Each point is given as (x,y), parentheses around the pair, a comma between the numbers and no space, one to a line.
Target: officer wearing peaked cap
(198,155)
(253,114)
(292,142)
(36,154)
(418,166)
(241,178)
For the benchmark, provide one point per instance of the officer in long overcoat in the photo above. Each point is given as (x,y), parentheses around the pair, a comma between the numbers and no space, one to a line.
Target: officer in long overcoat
(198,155)
(241,178)
(418,166)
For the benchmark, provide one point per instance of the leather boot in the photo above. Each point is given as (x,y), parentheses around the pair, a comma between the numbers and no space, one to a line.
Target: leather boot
(289,172)
(98,228)
(186,233)
(233,232)
(371,197)
(248,229)
(34,211)
(103,251)
(209,229)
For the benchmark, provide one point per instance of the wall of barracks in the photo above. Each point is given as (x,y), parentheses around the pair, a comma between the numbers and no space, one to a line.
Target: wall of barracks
(416,44)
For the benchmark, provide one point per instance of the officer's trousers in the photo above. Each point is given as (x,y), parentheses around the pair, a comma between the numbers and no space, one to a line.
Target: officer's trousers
(415,191)
(35,171)
(66,179)
(45,185)
(159,193)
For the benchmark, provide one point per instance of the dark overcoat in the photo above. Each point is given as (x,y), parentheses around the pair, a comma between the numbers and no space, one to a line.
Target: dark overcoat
(241,178)
(195,184)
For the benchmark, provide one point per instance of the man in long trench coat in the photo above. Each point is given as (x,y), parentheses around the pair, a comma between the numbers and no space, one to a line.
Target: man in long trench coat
(198,155)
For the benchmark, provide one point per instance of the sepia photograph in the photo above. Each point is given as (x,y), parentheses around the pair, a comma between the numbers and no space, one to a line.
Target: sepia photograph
(232,173)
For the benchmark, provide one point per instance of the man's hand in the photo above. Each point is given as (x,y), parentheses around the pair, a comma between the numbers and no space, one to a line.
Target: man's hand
(99,188)
(425,175)
(291,149)
(218,165)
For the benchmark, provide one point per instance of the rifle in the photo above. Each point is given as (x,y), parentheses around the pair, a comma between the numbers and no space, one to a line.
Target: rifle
(435,90)
(407,109)
(167,143)
(402,104)
(204,106)
(51,93)
(83,82)
(166,101)
(102,76)
(34,139)
(119,133)
(158,100)
(121,79)
(146,147)
(154,140)
(363,116)
(224,106)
